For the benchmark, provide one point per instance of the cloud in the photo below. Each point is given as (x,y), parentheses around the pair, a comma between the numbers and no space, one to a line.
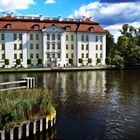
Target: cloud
(118,1)
(50,1)
(111,15)
(13,5)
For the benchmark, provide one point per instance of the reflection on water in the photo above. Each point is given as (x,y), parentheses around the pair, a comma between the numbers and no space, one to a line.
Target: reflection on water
(92,105)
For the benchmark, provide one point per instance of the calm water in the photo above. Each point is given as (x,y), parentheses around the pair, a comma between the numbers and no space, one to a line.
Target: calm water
(92,105)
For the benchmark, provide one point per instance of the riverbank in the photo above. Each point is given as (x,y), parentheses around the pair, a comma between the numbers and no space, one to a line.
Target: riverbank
(55,69)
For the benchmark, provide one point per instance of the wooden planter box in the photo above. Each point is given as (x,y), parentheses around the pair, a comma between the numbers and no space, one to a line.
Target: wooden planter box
(30,128)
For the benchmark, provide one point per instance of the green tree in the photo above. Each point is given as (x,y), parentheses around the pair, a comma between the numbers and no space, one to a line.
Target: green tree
(6,61)
(98,60)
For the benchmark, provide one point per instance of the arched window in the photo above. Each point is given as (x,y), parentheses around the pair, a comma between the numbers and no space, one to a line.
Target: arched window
(8,26)
(91,29)
(67,28)
(36,26)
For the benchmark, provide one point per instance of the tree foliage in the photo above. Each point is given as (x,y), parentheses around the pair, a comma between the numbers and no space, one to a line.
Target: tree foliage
(126,51)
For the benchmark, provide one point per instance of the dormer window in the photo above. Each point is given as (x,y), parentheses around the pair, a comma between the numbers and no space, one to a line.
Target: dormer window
(91,29)
(8,26)
(36,27)
(67,28)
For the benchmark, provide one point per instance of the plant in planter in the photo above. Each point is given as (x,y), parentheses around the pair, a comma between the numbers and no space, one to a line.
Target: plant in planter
(29,61)
(98,60)
(19,106)
(40,62)
(18,62)
(89,60)
(71,61)
(80,60)
(6,61)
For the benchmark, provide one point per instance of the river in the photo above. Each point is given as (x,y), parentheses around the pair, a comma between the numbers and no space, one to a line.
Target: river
(92,105)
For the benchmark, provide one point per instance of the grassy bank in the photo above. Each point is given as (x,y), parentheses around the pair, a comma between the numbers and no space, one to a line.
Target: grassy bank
(82,68)
(19,106)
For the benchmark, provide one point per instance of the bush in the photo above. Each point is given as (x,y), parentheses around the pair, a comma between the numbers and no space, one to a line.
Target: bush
(80,60)
(17,106)
(71,61)
(29,61)
(108,60)
(89,60)
(98,60)
(6,61)
(18,61)
(40,61)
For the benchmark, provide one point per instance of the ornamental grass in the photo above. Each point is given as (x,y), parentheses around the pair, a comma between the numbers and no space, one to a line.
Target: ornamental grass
(20,106)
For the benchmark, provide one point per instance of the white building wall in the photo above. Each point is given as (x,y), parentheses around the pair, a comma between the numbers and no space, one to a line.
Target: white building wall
(9,48)
(63,50)
(24,49)
(78,48)
(44,50)
(104,50)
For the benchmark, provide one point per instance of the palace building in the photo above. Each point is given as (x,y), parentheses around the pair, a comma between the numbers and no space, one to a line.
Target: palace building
(55,42)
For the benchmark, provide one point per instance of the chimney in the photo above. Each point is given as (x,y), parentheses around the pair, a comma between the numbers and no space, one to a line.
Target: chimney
(4,14)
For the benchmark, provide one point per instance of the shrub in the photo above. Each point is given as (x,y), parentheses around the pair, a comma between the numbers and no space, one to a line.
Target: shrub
(71,61)
(29,61)
(17,106)
(89,60)
(98,60)
(108,60)
(6,61)
(18,61)
(40,61)
(80,60)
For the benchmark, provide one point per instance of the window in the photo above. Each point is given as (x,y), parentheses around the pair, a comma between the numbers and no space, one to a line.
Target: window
(96,47)
(31,36)
(20,46)
(53,47)
(8,26)
(101,38)
(37,36)
(53,36)
(72,55)
(53,55)
(100,47)
(20,36)
(21,56)
(48,55)
(15,36)
(58,55)
(48,46)
(15,56)
(37,55)
(31,46)
(68,28)
(3,56)
(101,55)
(71,46)
(36,27)
(96,38)
(87,47)
(86,37)
(71,37)
(67,37)
(82,38)
(2,37)
(59,46)
(37,46)
(59,36)
(67,56)
(82,55)
(67,47)
(15,46)
(48,36)
(86,55)
(82,47)
(3,47)
(91,29)
(31,55)
(96,55)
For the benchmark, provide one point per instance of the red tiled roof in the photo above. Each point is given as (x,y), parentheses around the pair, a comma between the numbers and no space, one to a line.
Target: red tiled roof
(27,24)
